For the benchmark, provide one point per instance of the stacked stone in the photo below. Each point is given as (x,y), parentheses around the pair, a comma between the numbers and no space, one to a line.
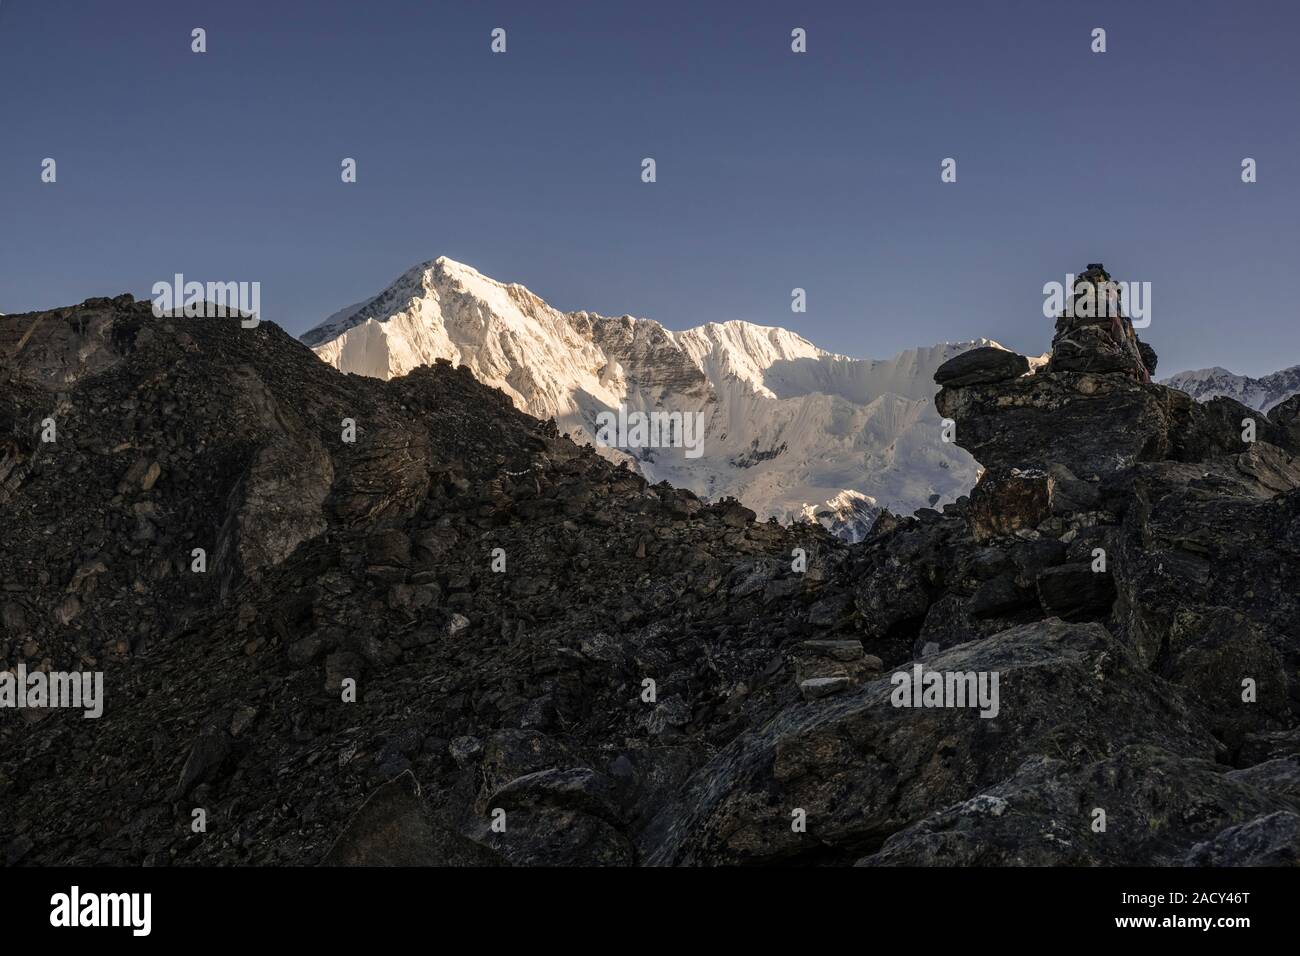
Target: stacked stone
(1095,335)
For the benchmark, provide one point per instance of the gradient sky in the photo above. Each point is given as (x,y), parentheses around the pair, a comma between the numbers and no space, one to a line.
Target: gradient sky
(775,170)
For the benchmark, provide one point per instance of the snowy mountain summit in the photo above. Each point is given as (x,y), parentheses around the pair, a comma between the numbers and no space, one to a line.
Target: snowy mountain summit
(793,431)
(1260,394)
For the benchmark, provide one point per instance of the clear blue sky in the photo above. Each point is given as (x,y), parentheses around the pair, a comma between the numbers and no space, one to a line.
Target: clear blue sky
(775,170)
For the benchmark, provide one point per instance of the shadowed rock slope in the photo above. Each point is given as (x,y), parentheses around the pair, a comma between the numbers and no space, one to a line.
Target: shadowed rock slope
(523,694)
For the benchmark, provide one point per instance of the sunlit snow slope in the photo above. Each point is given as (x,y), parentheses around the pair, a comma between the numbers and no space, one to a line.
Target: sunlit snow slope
(793,431)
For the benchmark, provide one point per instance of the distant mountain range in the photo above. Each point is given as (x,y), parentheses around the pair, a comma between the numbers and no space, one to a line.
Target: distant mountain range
(1259,393)
(791,430)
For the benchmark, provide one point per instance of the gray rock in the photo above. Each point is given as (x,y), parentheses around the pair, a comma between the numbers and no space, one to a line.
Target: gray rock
(863,768)
(1271,840)
(981,366)
(1006,501)
(465,750)
(1074,592)
(815,688)
(205,762)
(394,828)
(1158,808)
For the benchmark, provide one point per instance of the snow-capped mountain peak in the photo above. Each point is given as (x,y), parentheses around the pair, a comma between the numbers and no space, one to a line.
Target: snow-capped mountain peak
(1258,393)
(792,430)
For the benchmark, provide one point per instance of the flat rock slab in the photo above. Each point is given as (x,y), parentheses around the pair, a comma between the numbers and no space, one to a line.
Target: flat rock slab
(981,366)
(817,687)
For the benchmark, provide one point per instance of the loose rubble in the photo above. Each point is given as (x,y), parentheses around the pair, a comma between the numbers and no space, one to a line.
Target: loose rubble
(552,662)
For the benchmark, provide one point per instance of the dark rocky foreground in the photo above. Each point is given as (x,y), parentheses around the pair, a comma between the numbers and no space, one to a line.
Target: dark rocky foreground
(1128,566)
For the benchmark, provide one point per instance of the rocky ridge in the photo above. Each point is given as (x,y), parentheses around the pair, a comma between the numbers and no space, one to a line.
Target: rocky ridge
(1127,565)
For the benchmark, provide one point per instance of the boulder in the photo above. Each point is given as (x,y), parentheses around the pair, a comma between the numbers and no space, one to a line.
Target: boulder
(394,828)
(1140,805)
(981,366)
(863,768)
(1269,840)
(1074,592)
(1008,500)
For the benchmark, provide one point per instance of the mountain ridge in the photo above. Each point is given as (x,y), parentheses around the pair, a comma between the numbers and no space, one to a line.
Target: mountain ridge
(1261,393)
(451,612)
(793,430)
